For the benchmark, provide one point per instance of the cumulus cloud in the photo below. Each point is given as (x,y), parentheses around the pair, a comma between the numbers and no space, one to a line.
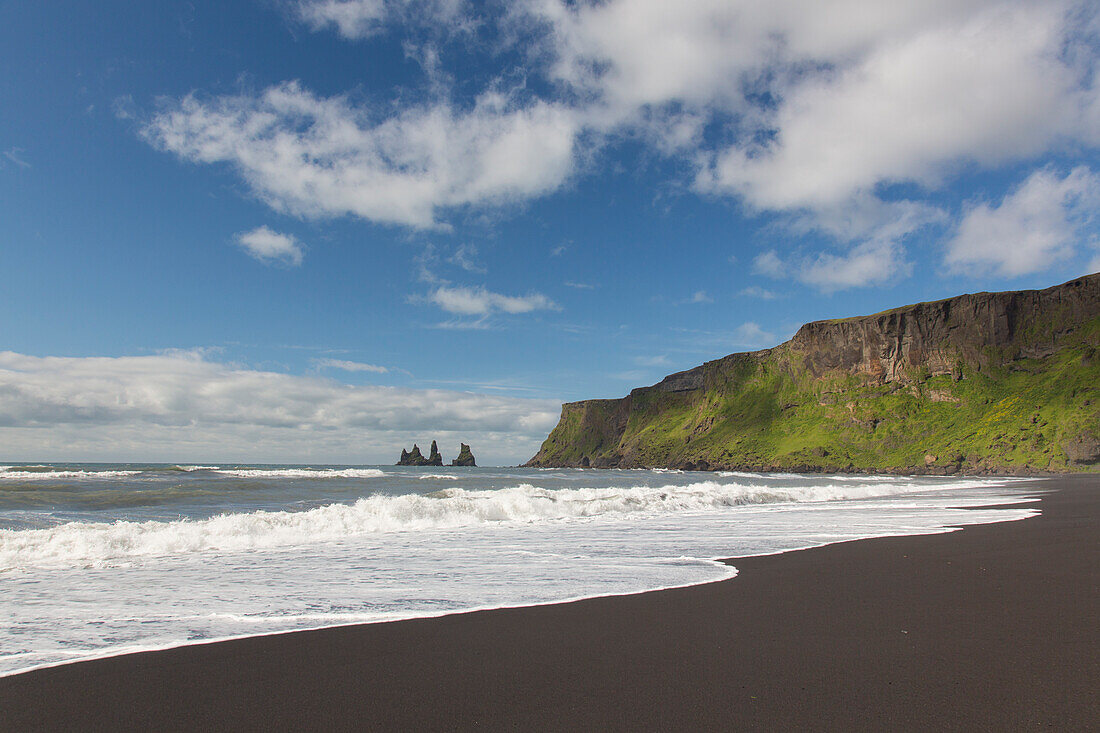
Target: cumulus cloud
(180,405)
(869,263)
(326,156)
(1035,227)
(829,99)
(270,247)
(750,334)
(799,108)
(820,105)
(468,301)
(769,263)
(873,262)
(987,88)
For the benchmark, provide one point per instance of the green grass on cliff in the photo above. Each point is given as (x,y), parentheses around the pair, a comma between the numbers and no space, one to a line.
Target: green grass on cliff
(768,413)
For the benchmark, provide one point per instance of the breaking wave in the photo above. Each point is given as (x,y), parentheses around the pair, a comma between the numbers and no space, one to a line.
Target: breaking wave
(310,473)
(92,544)
(41,473)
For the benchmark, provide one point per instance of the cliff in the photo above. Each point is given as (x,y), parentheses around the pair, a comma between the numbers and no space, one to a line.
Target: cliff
(988,382)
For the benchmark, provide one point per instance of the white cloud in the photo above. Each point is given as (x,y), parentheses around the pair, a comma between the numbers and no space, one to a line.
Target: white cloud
(769,263)
(352,18)
(357,19)
(464,258)
(315,156)
(873,262)
(1035,227)
(700,296)
(349,366)
(988,88)
(807,109)
(181,405)
(15,155)
(755,291)
(270,246)
(823,104)
(467,301)
(579,286)
(661,360)
(829,99)
(868,263)
(751,335)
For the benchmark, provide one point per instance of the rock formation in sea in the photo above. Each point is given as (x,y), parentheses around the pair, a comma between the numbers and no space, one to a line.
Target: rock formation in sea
(465,457)
(416,458)
(984,383)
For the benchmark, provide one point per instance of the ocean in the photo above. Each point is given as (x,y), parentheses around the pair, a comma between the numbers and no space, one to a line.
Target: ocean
(97,559)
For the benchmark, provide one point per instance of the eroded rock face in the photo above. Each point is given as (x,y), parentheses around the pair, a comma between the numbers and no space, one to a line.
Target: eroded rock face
(1084,449)
(993,377)
(434,459)
(978,329)
(416,458)
(465,456)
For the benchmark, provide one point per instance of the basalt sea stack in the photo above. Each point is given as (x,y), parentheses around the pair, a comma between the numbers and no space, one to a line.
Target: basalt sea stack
(465,457)
(984,383)
(416,458)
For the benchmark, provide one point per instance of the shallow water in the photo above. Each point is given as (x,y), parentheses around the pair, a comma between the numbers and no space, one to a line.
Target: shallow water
(103,559)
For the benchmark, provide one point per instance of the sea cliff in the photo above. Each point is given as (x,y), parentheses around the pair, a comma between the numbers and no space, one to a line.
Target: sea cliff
(982,383)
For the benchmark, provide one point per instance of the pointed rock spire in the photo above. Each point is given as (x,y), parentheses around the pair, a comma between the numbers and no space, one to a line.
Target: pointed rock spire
(465,457)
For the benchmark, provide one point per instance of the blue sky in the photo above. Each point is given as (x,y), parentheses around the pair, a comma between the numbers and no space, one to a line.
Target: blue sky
(441,219)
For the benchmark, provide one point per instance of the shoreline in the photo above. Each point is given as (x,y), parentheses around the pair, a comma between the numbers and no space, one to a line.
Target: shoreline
(722,562)
(471,668)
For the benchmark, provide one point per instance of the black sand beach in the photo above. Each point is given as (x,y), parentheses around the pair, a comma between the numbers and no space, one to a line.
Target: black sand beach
(995,627)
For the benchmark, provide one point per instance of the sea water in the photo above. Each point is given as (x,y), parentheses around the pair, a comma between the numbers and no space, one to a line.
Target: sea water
(97,560)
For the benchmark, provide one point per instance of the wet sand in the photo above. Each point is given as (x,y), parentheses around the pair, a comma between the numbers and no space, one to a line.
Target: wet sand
(994,627)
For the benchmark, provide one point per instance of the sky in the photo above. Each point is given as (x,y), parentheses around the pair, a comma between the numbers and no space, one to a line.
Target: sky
(320,230)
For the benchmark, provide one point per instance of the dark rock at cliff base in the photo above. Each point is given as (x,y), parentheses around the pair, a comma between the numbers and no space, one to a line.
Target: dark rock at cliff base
(1083,449)
(1010,381)
(465,457)
(416,458)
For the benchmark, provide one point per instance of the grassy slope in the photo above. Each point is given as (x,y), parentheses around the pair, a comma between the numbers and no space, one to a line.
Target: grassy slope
(765,412)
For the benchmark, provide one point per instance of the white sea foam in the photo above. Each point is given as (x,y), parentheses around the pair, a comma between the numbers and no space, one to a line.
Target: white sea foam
(196,468)
(97,588)
(94,544)
(19,473)
(311,473)
(440,476)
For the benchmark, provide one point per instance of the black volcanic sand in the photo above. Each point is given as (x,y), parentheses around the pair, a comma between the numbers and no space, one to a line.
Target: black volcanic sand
(995,627)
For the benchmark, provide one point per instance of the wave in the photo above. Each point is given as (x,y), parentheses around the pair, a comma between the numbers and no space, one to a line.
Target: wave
(301,472)
(39,473)
(439,476)
(94,544)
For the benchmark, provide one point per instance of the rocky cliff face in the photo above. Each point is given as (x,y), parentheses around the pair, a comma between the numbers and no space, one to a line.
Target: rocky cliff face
(984,382)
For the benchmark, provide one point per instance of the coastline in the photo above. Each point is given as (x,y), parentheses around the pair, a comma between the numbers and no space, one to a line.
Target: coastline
(992,626)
